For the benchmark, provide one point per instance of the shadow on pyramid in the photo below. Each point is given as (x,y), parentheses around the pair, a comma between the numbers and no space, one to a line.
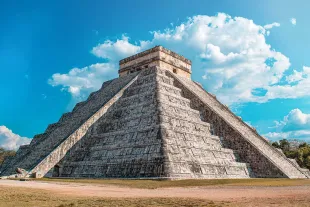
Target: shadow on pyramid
(153,122)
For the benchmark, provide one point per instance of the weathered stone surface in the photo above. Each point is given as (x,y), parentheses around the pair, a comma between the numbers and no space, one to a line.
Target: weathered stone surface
(44,144)
(151,124)
(265,160)
(156,56)
(151,132)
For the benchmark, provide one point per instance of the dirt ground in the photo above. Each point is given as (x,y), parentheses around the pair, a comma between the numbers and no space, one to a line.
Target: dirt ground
(230,195)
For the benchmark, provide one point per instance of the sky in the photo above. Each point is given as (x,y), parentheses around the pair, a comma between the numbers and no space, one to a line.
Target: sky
(253,55)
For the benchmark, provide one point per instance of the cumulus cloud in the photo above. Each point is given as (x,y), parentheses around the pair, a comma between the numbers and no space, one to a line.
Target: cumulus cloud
(296,76)
(269,26)
(82,81)
(11,141)
(295,125)
(230,56)
(119,49)
(303,135)
(299,89)
(293,21)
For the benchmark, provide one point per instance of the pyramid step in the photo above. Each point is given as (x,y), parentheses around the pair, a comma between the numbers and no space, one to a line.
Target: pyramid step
(180,125)
(170,96)
(124,111)
(152,85)
(141,136)
(52,127)
(148,118)
(128,148)
(149,91)
(170,109)
(114,169)
(64,117)
(138,89)
(182,158)
(191,137)
(202,151)
(179,100)
(265,151)
(209,171)
(78,106)
(38,138)
(150,130)
(166,107)
(153,77)
(147,96)
(207,143)
(59,152)
(166,126)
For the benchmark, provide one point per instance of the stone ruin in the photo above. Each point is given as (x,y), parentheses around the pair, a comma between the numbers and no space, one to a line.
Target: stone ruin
(153,122)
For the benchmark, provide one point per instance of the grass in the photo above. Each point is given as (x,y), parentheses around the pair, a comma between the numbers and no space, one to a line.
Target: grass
(10,197)
(26,197)
(153,184)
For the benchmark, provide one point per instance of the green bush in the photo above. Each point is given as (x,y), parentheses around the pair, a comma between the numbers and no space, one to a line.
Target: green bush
(301,155)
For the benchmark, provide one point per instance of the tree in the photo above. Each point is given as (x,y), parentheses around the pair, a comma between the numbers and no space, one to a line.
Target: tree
(276,145)
(301,155)
(303,145)
(284,145)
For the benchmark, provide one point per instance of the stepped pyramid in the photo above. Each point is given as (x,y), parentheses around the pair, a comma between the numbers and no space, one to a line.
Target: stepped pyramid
(152,122)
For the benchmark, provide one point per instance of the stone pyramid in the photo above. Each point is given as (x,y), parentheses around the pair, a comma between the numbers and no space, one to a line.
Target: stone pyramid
(152,122)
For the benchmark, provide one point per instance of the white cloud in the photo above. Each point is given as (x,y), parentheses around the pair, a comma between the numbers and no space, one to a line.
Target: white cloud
(229,54)
(119,49)
(300,88)
(296,76)
(9,140)
(302,135)
(296,120)
(269,26)
(295,125)
(81,81)
(293,21)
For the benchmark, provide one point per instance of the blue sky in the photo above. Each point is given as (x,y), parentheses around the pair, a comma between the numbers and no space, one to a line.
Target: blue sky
(54,54)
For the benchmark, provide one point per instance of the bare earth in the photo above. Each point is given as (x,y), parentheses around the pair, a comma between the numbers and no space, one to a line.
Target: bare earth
(250,195)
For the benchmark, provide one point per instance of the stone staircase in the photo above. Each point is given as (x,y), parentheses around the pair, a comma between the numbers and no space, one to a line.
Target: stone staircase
(44,147)
(249,135)
(152,132)
(152,125)
(193,152)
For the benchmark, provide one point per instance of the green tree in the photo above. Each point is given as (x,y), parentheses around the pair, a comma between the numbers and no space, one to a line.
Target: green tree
(301,155)
(276,145)
(303,145)
(284,145)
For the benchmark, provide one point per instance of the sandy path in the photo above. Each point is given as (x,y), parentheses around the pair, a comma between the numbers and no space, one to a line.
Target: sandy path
(223,193)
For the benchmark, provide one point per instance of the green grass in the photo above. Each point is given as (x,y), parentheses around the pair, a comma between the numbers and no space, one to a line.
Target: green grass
(153,184)
(10,197)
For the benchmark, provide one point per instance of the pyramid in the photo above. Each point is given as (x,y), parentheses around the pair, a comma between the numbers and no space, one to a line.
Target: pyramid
(152,122)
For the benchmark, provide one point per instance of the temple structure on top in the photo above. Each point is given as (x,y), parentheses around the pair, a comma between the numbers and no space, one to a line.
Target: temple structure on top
(156,56)
(152,122)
